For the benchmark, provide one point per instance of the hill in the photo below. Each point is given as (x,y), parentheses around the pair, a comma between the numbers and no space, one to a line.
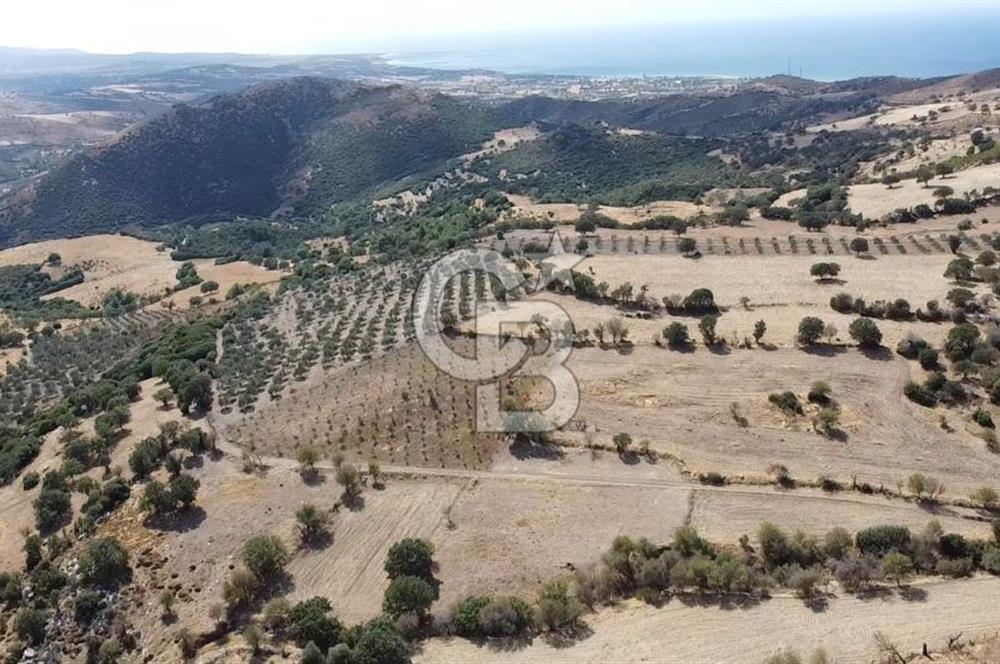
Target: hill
(301,142)
(743,112)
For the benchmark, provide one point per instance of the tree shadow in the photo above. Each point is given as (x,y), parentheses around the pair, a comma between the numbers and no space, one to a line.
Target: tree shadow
(193,461)
(312,477)
(837,434)
(873,593)
(880,353)
(817,602)
(353,502)
(180,522)
(832,282)
(318,541)
(503,644)
(824,350)
(912,594)
(936,508)
(683,348)
(625,348)
(524,449)
(629,458)
(720,349)
(724,601)
(568,636)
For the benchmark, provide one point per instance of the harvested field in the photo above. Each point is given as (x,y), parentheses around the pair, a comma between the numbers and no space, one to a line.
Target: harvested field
(570,212)
(539,533)
(682,404)
(139,266)
(874,201)
(723,516)
(779,289)
(690,633)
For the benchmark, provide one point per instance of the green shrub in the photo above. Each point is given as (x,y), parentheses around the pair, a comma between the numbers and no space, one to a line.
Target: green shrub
(29,481)
(311,621)
(880,540)
(104,562)
(265,556)
(408,594)
(410,557)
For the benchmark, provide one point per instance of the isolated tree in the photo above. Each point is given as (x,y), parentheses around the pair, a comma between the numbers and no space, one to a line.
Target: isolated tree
(622,442)
(960,269)
(617,329)
(585,224)
(810,330)
(985,496)
(410,557)
(184,489)
(759,328)
(824,271)
(944,169)
(265,556)
(865,332)
(700,300)
(375,472)
(890,180)
(827,420)
(829,331)
(924,487)
(164,395)
(859,245)
(307,458)
(349,478)
(687,245)
(313,523)
(925,174)
(599,333)
(707,328)
(676,335)
(954,243)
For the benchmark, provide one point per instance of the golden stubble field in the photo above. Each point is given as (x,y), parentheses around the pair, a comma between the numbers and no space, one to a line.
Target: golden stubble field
(130,264)
(780,290)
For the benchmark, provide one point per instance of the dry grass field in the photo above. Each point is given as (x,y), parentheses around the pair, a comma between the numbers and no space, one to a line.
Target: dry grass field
(690,633)
(682,404)
(130,264)
(570,212)
(779,289)
(875,200)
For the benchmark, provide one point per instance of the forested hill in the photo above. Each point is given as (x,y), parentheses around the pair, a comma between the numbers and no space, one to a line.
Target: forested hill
(303,141)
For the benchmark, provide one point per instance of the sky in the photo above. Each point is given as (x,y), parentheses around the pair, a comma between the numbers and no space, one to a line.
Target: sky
(345,26)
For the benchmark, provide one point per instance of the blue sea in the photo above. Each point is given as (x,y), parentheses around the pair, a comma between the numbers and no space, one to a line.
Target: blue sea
(829,48)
